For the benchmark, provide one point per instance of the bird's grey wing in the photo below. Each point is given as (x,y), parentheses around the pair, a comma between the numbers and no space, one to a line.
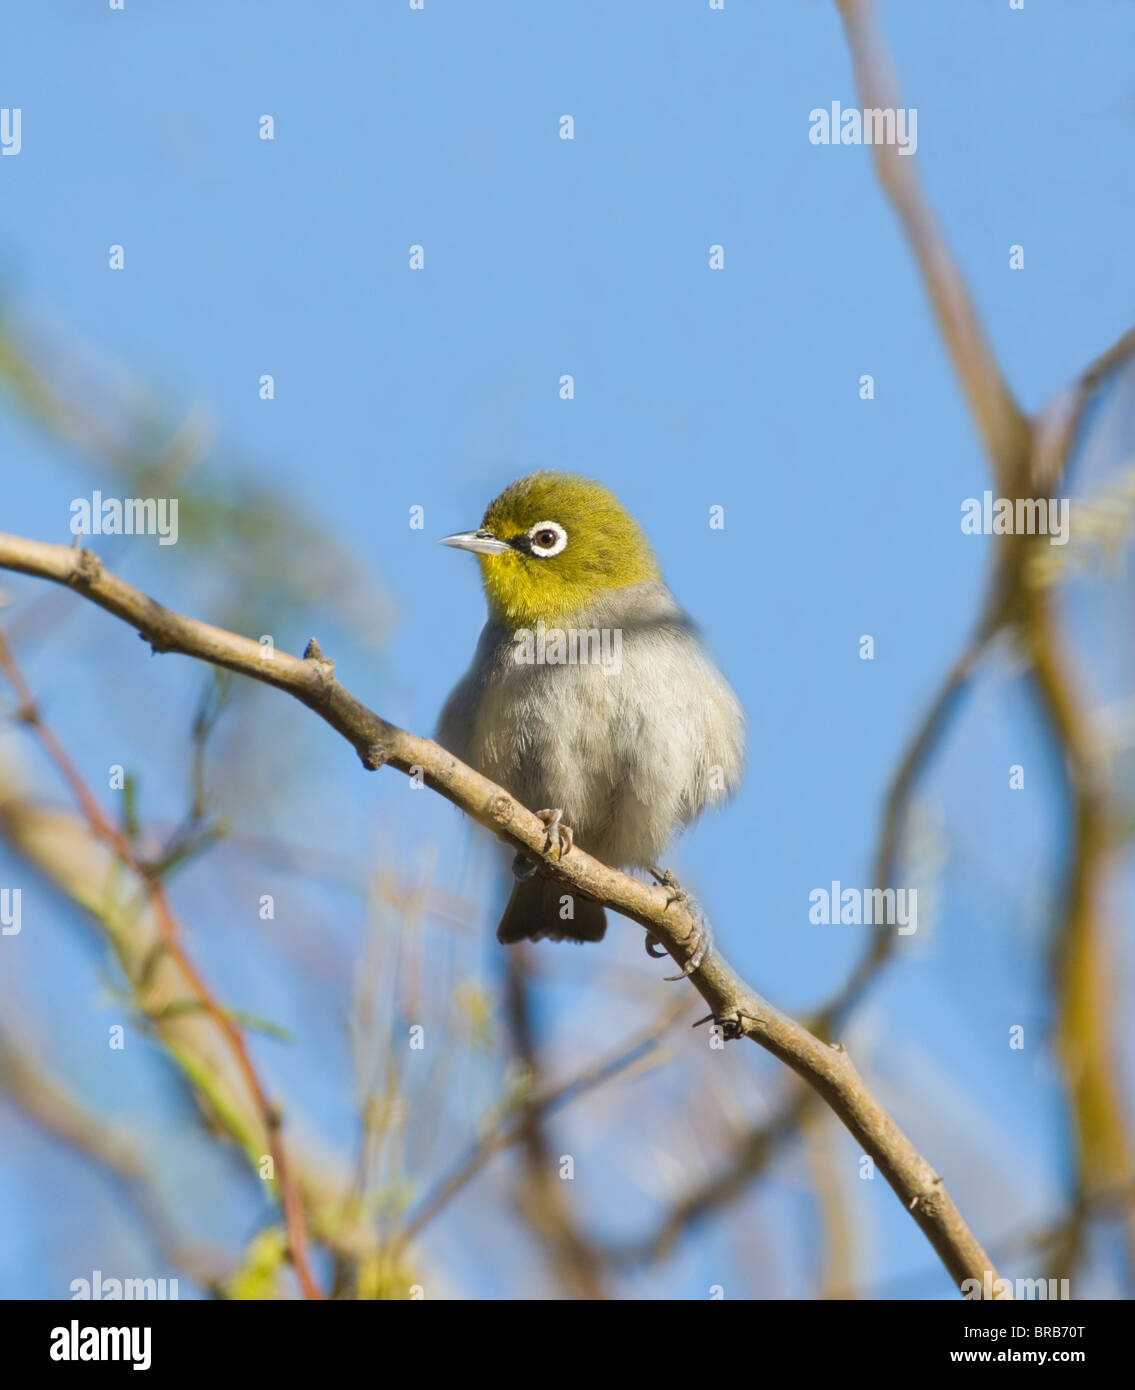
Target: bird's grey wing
(458,717)
(679,688)
(673,735)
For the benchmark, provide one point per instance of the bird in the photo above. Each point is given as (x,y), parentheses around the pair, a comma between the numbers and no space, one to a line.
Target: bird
(590,695)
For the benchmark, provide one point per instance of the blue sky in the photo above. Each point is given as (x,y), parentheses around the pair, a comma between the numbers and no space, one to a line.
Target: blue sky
(693,388)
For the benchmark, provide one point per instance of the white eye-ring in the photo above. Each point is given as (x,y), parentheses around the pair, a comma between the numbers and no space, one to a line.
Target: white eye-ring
(548,538)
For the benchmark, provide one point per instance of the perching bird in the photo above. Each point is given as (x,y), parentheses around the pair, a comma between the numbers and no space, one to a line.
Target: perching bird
(589,693)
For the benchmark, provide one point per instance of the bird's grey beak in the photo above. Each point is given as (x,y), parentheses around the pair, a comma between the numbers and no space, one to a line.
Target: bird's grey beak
(481,542)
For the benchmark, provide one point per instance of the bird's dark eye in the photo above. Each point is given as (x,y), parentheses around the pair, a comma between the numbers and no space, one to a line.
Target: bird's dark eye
(545,539)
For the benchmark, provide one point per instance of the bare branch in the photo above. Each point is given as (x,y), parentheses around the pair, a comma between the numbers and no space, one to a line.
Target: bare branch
(736,1007)
(1002,426)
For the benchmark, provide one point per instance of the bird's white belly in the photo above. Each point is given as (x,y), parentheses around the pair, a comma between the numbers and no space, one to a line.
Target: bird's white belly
(607,750)
(551,736)
(630,755)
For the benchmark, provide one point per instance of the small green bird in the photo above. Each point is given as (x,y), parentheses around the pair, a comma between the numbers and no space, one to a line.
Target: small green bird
(589,693)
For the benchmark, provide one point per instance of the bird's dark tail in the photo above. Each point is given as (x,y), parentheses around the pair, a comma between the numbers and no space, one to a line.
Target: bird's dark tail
(541,909)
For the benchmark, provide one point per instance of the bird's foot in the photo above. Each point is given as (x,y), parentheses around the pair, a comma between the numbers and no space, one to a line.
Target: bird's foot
(702,941)
(666,878)
(732,1025)
(561,837)
(701,945)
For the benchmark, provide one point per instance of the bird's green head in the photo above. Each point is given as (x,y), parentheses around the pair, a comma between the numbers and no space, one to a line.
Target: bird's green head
(551,544)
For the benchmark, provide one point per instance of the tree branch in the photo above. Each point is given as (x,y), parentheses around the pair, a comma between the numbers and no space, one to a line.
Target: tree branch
(999,420)
(734,1005)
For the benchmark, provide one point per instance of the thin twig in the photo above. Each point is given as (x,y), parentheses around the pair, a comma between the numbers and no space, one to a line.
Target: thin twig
(120,844)
(505,1134)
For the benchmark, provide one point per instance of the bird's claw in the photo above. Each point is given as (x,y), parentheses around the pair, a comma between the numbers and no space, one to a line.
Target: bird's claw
(703,937)
(702,944)
(561,837)
(665,877)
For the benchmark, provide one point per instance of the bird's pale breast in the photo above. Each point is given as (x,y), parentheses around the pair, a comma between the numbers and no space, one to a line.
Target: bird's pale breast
(631,730)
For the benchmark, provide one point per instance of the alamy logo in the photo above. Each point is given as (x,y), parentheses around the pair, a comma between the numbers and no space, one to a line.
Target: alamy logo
(872,907)
(1022,516)
(555,646)
(75,1343)
(125,516)
(872,126)
(98,1289)
(987,1287)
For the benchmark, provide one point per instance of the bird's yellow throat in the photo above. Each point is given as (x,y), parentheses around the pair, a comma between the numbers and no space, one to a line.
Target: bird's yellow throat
(521,594)
(606,550)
